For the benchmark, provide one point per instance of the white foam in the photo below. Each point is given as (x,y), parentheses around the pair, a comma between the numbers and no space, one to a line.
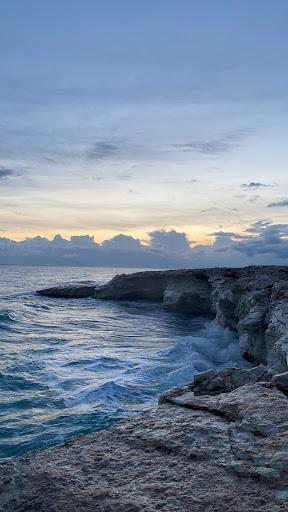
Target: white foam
(176,365)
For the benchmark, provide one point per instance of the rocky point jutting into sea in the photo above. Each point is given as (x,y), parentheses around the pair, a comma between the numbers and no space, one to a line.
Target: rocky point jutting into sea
(217,444)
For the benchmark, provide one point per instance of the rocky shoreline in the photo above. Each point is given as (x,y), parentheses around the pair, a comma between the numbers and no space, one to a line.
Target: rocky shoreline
(218,444)
(253,301)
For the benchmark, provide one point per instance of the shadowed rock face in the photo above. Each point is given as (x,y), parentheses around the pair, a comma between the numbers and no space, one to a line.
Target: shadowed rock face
(73,291)
(207,453)
(252,301)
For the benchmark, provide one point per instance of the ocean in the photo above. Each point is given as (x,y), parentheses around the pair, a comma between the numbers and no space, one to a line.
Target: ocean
(72,366)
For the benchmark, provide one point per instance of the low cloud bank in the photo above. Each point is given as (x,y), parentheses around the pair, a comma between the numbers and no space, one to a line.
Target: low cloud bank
(262,243)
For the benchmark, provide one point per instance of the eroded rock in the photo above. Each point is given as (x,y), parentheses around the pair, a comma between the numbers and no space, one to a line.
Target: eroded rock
(253,301)
(73,291)
(207,454)
(280,381)
(224,381)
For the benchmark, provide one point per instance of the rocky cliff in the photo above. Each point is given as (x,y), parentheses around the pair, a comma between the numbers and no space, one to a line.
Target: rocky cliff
(219,444)
(252,301)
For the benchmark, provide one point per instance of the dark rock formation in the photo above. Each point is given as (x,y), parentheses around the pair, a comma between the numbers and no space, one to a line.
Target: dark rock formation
(70,291)
(220,453)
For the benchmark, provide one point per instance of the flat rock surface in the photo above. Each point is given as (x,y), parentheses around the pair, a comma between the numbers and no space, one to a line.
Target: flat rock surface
(223,453)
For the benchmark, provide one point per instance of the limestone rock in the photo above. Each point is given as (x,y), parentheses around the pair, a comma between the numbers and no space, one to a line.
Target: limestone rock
(280,381)
(224,381)
(207,454)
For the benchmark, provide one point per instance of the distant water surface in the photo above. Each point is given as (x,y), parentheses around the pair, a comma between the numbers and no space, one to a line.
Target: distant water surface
(71,366)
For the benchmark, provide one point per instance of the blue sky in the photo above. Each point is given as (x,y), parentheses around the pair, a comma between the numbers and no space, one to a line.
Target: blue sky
(128,117)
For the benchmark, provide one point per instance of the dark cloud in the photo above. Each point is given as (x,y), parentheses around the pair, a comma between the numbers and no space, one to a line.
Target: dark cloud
(259,226)
(230,234)
(261,243)
(253,185)
(103,149)
(6,173)
(214,145)
(278,204)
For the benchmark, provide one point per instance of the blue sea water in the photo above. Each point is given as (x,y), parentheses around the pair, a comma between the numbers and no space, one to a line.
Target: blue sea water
(71,366)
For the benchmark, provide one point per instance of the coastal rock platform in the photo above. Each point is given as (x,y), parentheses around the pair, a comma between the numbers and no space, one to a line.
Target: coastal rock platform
(197,452)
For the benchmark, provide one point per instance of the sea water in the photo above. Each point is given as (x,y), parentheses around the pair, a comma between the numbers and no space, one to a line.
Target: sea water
(71,366)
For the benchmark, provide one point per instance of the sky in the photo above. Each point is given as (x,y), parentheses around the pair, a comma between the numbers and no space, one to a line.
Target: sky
(144,117)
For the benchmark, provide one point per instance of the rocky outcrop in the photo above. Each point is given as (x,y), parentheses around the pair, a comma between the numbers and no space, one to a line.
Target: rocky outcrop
(70,291)
(218,452)
(252,301)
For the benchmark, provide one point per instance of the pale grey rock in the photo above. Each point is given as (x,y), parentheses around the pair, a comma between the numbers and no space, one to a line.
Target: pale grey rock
(224,381)
(280,381)
(219,453)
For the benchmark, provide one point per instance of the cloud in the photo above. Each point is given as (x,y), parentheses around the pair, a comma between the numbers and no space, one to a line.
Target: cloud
(103,149)
(171,242)
(215,145)
(122,242)
(6,173)
(83,241)
(230,234)
(253,185)
(278,204)
(260,243)
(259,226)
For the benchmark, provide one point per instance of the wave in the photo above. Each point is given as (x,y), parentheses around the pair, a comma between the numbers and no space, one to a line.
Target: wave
(6,317)
(176,365)
(104,393)
(10,382)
